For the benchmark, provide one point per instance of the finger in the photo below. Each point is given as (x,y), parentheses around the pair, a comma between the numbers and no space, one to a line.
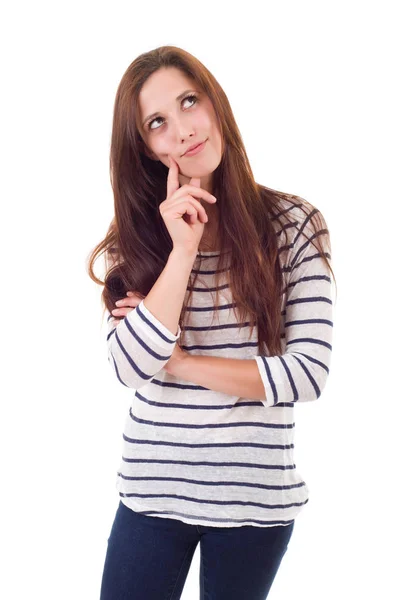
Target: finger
(123,311)
(198,213)
(195,181)
(134,294)
(131,300)
(194,209)
(127,303)
(197,193)
(190,214)
(186,212)
(172,179)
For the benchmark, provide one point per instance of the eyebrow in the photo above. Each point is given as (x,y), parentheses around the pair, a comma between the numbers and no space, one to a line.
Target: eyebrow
(178,98)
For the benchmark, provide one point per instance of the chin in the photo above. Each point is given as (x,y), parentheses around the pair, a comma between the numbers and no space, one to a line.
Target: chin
(200,169)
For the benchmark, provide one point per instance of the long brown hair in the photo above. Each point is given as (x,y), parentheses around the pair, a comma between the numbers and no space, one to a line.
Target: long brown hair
(137,244)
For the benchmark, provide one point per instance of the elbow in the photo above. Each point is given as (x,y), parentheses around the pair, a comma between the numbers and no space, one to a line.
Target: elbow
(132,376)
(136,356)
(311,375)
(135,369)
(317,383)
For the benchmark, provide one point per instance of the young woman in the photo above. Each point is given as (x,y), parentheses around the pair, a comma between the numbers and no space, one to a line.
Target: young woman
(218,294)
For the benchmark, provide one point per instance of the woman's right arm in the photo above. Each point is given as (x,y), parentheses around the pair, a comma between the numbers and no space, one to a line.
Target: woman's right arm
(143,342)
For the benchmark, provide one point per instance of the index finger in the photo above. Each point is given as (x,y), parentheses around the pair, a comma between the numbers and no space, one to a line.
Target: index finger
(172,179)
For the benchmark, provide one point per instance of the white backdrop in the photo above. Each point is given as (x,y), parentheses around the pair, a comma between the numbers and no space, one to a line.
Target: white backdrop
(314,89)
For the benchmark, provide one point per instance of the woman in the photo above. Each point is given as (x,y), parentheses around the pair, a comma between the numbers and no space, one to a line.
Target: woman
(219,306)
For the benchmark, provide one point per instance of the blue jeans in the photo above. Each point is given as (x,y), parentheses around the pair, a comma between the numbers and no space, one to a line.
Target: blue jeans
(148,558)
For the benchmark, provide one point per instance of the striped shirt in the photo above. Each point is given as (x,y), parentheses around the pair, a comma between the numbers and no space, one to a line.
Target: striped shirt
(205,457)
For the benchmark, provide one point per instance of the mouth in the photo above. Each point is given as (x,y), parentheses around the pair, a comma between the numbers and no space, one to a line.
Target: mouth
(196,149)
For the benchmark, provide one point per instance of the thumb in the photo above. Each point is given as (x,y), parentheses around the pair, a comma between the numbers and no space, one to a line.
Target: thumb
(195,181)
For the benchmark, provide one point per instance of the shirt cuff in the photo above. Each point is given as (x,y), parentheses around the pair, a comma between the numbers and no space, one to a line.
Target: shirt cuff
(152,327)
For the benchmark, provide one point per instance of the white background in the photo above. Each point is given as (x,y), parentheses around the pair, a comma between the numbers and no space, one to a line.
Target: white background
(313,87)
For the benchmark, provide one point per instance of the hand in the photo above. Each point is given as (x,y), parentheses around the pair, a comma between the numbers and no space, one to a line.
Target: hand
(126,305)
(183,214)
(176,358)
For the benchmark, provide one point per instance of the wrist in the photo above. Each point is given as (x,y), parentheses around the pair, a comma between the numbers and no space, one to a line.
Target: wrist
(182,365)
(184,254)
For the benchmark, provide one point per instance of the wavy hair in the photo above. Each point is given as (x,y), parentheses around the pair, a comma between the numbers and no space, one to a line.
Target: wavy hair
(137,244)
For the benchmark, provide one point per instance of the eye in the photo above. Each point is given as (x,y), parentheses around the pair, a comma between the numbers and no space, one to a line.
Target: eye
(191,97)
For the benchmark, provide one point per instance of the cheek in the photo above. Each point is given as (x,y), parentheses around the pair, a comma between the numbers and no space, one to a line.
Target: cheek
(160,148)
(203,122)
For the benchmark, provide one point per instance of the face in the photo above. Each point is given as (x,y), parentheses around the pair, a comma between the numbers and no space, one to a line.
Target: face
(179,124)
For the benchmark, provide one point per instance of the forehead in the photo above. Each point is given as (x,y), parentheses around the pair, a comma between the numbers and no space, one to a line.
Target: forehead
(162,87)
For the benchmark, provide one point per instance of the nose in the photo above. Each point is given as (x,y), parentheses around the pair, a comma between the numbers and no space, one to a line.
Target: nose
(184,134)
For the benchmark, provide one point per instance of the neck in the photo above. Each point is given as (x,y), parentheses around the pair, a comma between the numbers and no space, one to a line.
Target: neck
(209,240)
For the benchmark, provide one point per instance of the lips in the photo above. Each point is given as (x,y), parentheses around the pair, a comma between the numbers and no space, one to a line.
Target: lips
(193,147)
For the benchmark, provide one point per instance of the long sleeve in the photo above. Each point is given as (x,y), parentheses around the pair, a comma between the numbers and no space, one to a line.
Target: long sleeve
(139,346)
(300,374)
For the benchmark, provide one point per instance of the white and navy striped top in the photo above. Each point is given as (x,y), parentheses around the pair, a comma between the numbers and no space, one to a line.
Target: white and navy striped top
(209,458)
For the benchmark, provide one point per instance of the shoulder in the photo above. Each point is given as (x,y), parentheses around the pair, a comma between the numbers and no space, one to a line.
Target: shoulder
(299,216)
